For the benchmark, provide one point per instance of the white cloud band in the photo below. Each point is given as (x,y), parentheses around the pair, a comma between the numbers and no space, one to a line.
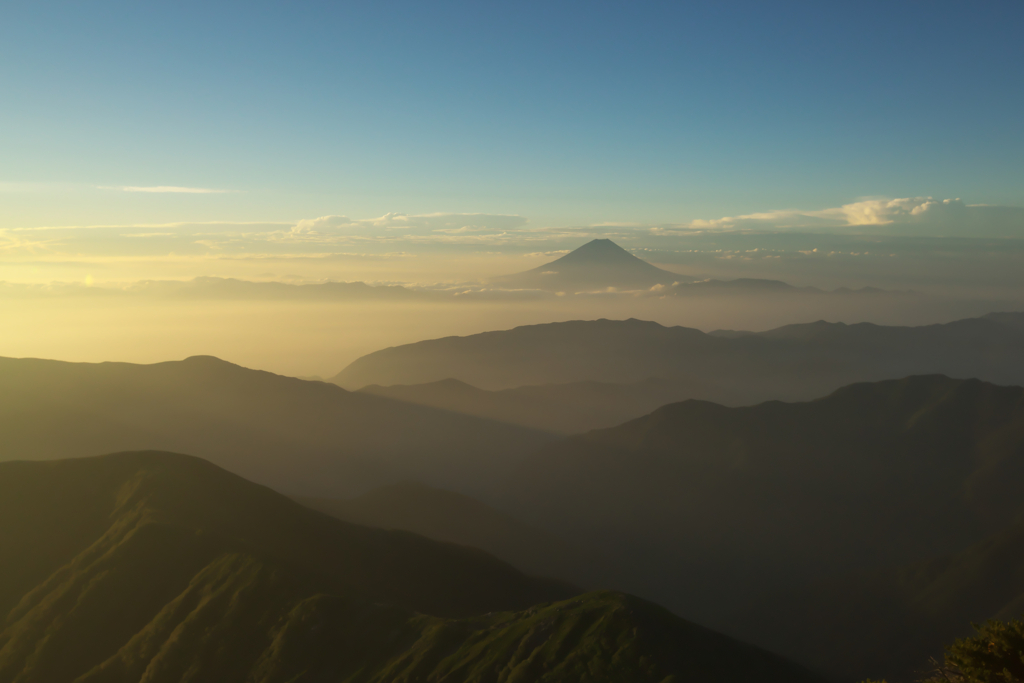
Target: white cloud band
(908,215)
(172,189)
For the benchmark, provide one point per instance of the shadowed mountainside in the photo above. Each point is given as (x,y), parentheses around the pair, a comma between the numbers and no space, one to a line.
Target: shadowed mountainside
(796,362)
(162,567)
(302,437)
(456,518)
(561,408)
(903,615)
(756,502)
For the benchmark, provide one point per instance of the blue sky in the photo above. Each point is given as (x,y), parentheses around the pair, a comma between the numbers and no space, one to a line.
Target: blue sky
(833,144)
(567,113)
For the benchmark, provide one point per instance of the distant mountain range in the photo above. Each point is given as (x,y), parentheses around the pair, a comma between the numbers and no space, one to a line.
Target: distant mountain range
(302,437)
(856,533)
(231,288)
(795,362)
(598,267)
(226,289)
(560,408)
(894,503)
(163,568)
(603,266)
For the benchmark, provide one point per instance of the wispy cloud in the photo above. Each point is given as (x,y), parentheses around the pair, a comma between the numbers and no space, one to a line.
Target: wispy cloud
(171,189)
(907,215)
(394,225)
(10,243)
(259,226)
(477,233)
(861,213)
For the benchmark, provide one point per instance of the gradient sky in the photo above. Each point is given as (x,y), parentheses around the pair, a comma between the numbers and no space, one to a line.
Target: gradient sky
(831,144)
(565,113)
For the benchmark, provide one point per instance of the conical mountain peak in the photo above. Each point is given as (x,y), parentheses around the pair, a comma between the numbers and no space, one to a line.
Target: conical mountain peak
(599,251)
(600,245)
(598,264)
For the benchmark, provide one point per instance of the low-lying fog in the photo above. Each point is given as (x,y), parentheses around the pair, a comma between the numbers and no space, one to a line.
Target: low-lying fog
(142,296)
(306,338)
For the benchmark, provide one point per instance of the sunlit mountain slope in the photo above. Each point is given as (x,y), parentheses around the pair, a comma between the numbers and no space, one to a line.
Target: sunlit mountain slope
(301,437)
(161,568)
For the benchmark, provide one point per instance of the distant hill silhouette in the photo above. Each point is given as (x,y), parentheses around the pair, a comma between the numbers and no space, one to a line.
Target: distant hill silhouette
(598,264)
(232,289)
(161,567)
(563,408)
(739,286)
(601,265)
(795,362)
(720,510)
(302,437)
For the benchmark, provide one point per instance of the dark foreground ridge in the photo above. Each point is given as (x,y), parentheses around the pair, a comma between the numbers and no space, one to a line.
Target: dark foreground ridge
(856,533)
(160,567)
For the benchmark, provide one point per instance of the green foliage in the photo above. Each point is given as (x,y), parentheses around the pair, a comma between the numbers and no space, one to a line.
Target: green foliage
(994,655)
(178,571)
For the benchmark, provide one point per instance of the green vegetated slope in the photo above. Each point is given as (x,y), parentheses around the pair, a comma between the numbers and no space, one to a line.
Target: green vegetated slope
(719,509)
(162,568)
(457,518)
(796,362)
(902,616)
(303,437)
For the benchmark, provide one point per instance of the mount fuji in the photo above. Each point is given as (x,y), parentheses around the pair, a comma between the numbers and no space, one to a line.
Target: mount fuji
(598,264)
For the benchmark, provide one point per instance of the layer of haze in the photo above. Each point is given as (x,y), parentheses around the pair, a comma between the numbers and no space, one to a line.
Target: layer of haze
(309,338)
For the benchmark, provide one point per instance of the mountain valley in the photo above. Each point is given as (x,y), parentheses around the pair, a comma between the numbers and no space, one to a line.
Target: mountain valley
(196,574)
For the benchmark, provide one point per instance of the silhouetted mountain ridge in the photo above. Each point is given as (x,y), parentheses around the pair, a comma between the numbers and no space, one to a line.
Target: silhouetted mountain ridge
(562,408)
(303,437)
(795,362)
(754,502)
(163,568)
(232,288)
